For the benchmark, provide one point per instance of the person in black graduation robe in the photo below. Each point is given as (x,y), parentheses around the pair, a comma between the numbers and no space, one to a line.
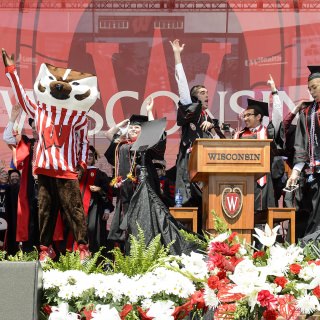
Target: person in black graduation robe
(26,228)
(127,170)
(263,190)
(191,119)
(195,122)
(307,153)
(97,201)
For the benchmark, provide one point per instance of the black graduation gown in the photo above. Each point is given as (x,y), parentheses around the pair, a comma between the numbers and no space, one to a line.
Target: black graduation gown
(148,211)
(310,189)
(98,202)
(125,192)
(189,118)
(263,195)
(11,207)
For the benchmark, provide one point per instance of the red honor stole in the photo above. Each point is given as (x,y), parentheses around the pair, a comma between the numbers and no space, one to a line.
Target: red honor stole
(85,183)
(23,211)
(261,133)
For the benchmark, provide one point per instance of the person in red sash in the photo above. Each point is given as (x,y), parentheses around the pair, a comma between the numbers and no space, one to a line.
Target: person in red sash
(306,159)
(26,220)
(97,201)
(254,129)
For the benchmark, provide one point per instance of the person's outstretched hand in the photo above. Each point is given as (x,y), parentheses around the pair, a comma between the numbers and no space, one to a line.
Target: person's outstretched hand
(271,83)
(176,46)
(7,61)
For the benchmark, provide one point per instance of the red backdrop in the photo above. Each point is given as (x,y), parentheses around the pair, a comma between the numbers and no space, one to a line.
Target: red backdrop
(232,53)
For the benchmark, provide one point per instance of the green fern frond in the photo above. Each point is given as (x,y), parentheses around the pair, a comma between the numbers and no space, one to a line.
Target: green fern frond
(141,258)
(202,244)
(24,256)
(72,261)
(2,255)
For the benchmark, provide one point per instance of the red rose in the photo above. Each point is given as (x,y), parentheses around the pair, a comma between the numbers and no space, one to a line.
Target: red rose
(266,299)
(87,314)
(181,312)
(224,249)
(258,254)
(221,274)
(234,261)
(234,249)
(213,282)
(316,291)
(47,309)
(270,314)
(143,314)
(125,311)
(219,247)
(295,268)
(216,261)
(280,281)
(197,299)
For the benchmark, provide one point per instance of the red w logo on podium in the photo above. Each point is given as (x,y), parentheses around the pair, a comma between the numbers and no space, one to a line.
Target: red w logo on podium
(55,135)
(232,200)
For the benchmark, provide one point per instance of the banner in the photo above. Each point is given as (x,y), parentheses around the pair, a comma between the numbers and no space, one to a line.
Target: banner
(231,52)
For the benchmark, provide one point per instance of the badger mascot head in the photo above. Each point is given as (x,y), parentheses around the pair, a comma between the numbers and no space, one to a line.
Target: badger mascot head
(66,88)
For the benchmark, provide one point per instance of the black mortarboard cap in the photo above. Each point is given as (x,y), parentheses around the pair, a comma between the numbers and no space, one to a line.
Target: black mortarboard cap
(30,121)
(260,107)
(138,119)
(314,72)
(10,171)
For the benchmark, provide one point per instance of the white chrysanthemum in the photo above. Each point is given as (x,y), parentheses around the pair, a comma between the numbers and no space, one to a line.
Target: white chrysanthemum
(131,291)
(210,298)
(55,279)
(277,263)
(195,264)
(294,253)
(161,310)
(146,304)
(308,304)
(172,282)
(309,272)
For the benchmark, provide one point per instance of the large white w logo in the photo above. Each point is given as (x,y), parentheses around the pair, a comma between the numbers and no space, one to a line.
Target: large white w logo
(232,202)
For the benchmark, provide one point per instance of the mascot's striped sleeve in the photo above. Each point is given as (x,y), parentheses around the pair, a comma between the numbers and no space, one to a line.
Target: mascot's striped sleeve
(63,141)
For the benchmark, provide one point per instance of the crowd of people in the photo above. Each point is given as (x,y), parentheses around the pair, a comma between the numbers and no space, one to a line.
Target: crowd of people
(31,217)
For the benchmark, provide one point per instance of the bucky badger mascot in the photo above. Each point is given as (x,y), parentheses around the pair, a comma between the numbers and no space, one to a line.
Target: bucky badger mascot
(64,97)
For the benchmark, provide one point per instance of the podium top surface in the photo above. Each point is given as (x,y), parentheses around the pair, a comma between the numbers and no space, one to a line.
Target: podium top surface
(229,156)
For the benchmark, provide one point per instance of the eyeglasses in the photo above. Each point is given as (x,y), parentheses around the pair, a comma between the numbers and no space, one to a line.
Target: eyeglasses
(90,155)
(247,115)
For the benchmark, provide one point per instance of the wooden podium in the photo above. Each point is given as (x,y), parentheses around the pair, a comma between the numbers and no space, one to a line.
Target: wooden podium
(229,169)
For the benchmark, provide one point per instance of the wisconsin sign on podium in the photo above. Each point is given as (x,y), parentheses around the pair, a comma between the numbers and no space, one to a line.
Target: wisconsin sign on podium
(229,169)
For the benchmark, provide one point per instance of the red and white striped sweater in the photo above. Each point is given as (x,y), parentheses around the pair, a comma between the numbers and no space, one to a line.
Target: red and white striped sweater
(63,141)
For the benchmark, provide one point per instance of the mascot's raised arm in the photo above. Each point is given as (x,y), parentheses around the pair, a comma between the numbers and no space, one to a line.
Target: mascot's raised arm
(64,97)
